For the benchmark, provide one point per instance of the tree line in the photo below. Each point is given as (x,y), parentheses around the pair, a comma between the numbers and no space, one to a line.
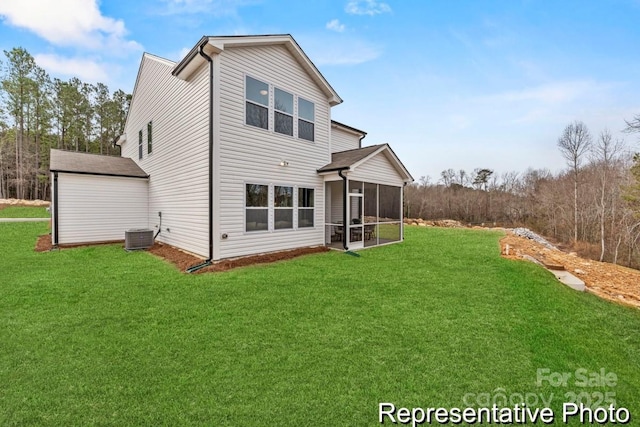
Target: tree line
(592,207)
(38,113)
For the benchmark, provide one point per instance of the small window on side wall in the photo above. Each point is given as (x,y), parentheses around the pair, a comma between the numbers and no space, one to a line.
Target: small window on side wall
(257,103)
(256,207)
(139,144)
(306,120)
(149,137)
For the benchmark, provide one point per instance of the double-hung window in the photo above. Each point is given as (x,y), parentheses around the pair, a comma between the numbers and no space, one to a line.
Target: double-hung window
(256,207)
(305,207)
(283,116)
(283,207)
(306,119)
(257,103)
(140,144)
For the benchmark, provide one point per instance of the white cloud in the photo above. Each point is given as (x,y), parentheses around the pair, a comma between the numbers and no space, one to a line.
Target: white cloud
(68,23)
(85,69)
(335,25)
(367,7)
(211,7)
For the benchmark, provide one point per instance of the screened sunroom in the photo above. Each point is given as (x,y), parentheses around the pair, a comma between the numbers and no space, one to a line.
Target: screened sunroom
(363,198)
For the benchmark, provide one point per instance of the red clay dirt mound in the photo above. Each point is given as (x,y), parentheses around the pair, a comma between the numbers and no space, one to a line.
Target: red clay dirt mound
(608,281)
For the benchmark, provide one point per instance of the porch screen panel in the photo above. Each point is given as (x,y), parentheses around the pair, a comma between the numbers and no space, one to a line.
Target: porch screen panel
(390,203)
(389,232)
(370,203)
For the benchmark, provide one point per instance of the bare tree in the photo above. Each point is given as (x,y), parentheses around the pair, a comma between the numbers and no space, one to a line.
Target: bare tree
(574,143)
(604,154)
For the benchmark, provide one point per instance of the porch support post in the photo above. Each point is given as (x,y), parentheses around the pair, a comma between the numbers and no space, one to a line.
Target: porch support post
(345,201)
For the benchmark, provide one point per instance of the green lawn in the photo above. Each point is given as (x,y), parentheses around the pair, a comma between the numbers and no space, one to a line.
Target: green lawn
(99,336)
(24,212)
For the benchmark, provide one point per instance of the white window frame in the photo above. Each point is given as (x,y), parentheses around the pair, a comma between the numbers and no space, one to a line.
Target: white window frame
(268,106)
(292,114)
(150,137)
(245,207)
(312,209)
(292,208)
(272,110)
(313,122)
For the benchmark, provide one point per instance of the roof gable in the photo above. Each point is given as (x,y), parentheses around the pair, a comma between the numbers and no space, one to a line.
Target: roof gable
(351,159)
(213,45)
(94,164)
(146,58)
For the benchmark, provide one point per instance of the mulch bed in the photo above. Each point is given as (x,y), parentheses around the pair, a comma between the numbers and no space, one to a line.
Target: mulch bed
(183,260)
(43,244)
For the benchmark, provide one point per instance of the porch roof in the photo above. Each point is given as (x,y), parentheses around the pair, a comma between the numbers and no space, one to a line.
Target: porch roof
(350,159)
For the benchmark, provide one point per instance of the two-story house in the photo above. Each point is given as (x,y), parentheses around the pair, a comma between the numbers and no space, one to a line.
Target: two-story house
(232,152)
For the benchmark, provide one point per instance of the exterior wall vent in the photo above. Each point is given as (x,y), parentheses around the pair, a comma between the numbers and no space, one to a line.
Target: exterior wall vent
(138,238)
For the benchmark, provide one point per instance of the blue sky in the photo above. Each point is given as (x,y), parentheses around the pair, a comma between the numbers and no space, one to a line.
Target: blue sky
(449,84)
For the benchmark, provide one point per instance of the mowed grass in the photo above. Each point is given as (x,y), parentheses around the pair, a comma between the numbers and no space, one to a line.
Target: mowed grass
(99,336)
(24,212)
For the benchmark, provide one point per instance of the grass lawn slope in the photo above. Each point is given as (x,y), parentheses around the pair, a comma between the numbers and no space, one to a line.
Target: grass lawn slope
(24,212)
(99,336)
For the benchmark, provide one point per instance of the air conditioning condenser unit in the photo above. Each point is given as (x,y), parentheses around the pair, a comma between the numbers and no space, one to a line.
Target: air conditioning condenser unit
(138,238)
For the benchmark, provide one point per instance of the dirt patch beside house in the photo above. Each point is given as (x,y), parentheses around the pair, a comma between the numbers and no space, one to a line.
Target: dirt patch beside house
(183,260)
(19,202)
(608,281)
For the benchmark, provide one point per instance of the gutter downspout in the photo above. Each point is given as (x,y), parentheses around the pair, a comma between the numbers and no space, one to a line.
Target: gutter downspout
(114,145)
(360,140)
(207,262)
(345,200)
(55,210)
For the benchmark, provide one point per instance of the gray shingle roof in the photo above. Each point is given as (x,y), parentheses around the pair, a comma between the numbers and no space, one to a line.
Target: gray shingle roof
(75,162)
(344,159)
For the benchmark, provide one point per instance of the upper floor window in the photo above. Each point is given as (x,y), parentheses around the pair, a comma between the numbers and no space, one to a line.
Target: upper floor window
(283,117)
(306,119)
(149,138)
(274,109)
(257,104)
(140,144)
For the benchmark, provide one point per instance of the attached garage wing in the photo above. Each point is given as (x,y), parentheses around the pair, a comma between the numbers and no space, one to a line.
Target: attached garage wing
(96,198)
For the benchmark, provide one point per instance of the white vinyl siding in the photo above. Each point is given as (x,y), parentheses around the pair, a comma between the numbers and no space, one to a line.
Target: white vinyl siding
(342,140)
(93,208)
(178,183)
(251,155)
(378,170)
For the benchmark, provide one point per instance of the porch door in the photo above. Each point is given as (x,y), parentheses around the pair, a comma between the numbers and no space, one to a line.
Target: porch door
(356,226)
